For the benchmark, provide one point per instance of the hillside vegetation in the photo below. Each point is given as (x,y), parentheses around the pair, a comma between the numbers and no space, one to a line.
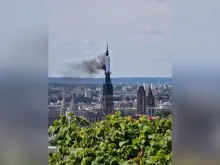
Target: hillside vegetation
(114,141)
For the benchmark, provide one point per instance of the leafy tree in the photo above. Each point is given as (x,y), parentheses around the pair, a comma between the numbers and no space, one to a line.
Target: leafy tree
(163,113)
(114,141)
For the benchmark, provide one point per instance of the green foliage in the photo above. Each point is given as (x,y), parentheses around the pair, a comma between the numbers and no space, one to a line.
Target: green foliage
(163,113)
(114,141)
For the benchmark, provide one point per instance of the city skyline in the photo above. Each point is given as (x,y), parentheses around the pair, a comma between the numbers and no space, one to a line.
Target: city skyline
(138,36)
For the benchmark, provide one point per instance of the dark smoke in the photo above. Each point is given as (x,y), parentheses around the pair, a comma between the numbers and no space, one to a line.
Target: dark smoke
(90,67)
(93,66)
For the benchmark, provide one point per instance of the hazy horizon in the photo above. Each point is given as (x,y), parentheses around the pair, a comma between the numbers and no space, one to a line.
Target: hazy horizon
(111,77)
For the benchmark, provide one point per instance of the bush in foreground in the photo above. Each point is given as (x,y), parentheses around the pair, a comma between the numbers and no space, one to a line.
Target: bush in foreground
(114,141)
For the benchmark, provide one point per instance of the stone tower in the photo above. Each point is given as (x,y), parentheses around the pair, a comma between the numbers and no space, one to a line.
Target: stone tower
(141,100)
(150,107)
(63,108)
(73,106)
(107,100)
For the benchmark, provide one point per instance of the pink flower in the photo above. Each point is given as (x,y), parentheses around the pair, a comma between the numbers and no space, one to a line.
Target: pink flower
(150,117)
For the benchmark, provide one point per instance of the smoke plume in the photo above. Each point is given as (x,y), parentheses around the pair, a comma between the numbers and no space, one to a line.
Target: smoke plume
(90,67)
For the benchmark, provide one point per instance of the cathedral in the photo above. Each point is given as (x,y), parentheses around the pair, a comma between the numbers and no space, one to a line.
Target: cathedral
(107,100)
(145,103)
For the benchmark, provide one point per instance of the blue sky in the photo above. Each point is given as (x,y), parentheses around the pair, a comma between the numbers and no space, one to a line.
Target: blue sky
(138,33)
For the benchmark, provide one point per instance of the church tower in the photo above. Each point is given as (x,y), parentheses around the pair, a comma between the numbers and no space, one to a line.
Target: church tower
(108,105)
(72,106)
(150,102)
(141,100)
(63,108)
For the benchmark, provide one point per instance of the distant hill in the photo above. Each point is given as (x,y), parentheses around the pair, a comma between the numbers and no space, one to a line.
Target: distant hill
(123,80)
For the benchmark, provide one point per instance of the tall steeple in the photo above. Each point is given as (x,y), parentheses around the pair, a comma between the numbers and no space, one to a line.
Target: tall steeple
(63,108)
(108,105)
(107,52)
(72,106)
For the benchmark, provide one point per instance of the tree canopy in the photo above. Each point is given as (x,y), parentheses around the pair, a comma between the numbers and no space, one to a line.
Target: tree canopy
(114,141)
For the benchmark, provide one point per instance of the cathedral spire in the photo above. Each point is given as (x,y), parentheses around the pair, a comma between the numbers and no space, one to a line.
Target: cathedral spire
(107,52)
(108,105)
(63,106)
(72,107)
